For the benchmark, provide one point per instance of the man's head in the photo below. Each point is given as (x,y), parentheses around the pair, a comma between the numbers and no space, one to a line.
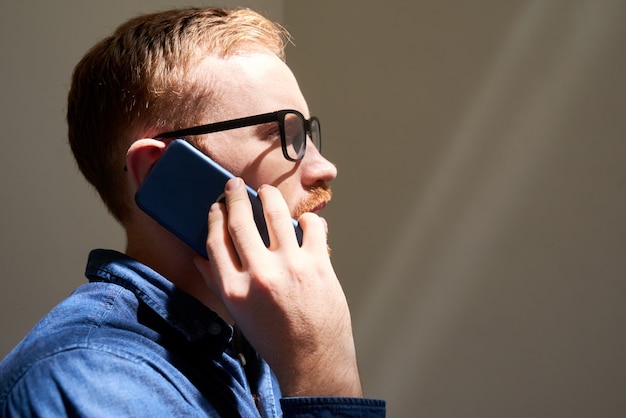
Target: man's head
(172,70)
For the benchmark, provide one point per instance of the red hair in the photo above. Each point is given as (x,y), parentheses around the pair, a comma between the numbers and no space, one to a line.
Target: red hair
(136,83)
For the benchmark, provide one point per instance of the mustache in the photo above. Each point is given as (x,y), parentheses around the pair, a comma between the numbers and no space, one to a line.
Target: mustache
(318,195)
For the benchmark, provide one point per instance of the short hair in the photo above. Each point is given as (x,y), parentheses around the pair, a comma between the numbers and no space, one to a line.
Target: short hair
(137,82)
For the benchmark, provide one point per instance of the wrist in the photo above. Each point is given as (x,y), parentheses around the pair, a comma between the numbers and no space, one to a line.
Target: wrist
(330,376)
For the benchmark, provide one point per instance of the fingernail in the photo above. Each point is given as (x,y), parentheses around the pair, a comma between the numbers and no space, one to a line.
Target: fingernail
(234,184)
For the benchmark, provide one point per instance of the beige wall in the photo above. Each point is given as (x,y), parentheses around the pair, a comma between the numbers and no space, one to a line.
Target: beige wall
(479,216)
(478,220)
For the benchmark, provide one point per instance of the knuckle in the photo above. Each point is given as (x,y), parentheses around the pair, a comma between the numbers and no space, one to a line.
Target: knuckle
(274,214)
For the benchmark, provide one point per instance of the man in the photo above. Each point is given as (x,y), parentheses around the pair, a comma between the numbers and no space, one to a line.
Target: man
(159,330)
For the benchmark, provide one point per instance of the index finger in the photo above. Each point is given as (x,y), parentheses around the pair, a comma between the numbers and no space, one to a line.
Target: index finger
(241,226)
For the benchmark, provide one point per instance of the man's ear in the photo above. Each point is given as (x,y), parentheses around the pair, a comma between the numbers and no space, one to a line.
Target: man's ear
(140,158)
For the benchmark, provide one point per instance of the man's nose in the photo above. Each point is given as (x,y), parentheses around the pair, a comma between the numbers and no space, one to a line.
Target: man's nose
(316,167)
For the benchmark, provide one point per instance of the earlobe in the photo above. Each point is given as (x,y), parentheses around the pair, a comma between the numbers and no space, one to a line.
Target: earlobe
(140,158)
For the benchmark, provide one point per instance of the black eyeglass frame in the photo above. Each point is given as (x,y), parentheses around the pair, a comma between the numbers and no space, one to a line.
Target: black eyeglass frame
(278,116)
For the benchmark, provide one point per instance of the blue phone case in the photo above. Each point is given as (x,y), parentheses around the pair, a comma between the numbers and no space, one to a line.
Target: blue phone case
(181,187)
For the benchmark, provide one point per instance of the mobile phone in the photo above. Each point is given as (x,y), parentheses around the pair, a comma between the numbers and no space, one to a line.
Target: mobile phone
(180,189)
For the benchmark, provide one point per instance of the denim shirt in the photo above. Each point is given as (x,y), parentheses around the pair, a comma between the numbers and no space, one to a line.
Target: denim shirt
(129,343)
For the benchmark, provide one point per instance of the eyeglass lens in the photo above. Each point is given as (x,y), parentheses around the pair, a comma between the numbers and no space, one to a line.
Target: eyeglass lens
(296,134)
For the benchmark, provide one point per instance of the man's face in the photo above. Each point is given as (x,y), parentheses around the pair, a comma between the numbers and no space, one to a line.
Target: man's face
(252,84)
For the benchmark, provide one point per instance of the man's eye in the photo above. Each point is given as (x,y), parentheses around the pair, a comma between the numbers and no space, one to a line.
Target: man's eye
(273,133)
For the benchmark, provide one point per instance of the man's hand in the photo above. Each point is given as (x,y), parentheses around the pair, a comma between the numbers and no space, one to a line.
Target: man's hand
(286,299)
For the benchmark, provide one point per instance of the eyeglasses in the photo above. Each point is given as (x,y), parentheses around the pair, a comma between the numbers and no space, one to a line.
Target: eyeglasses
(294,129)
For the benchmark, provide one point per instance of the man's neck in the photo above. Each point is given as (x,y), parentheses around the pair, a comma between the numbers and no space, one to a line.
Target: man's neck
(173,259)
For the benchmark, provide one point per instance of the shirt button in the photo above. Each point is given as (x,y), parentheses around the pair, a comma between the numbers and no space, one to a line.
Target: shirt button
(215,328)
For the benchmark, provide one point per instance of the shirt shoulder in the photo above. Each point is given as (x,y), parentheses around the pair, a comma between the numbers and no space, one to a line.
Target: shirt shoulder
(96,381)
(95,355)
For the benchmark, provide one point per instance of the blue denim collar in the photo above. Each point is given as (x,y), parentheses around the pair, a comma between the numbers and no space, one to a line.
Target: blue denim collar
(177,308)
